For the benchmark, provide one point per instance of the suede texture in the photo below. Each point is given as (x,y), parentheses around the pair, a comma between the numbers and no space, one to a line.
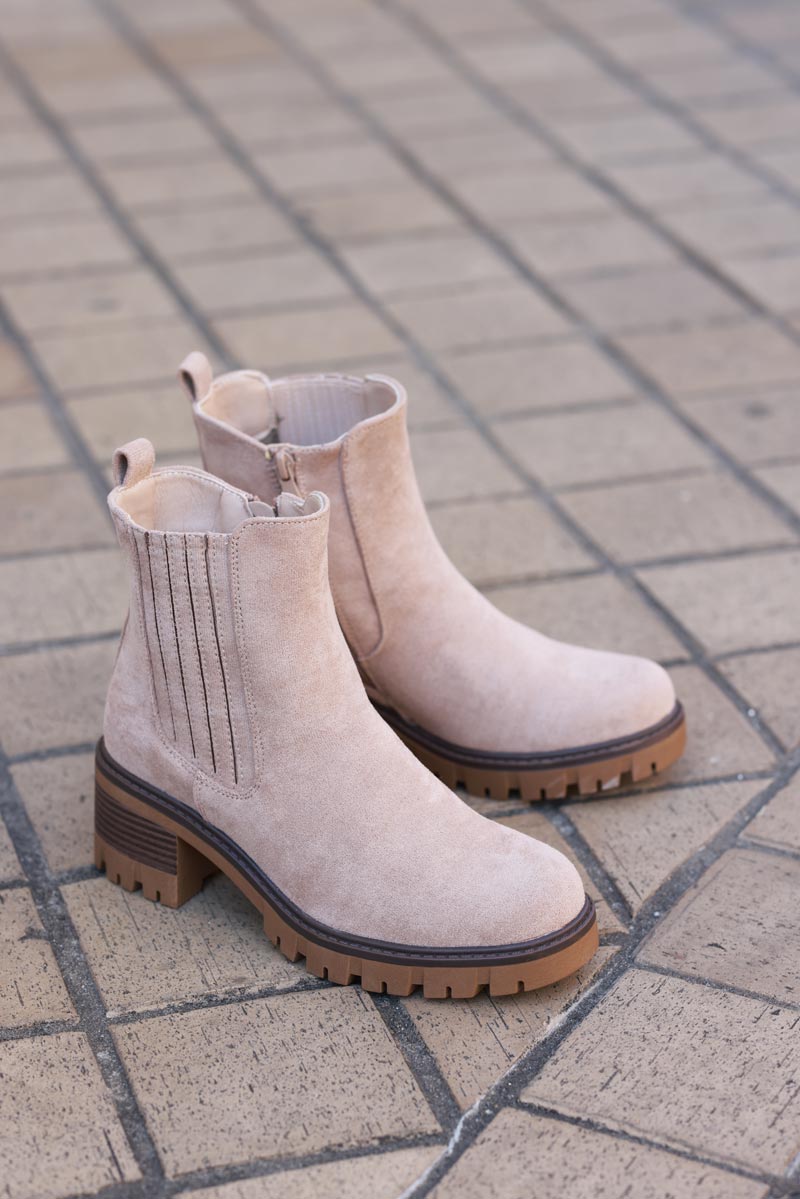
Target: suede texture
(233,654)
(428,644)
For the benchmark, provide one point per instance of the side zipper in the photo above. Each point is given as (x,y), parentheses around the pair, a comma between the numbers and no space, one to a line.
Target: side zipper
(286,466)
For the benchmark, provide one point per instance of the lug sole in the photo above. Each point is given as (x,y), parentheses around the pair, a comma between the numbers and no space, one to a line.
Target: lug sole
(590,770)
(145,839)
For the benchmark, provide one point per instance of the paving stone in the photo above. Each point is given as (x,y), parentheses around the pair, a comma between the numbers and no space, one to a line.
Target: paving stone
(343,166)
(618,137)
(745,602)
(29,438)
(598,611)
(642,839)
(495,143)
(778,824)
(384,1175)
(277,1077)
(188,233)
(528,193)
(32,990)
(479,316)
(763,122)
(773,278)
(784,481)
(519,1155)
(476,1041)
(288,122)
(516,380)
(69,244)
(756,425)
(144,138)
(684,1065)
(535,824)
(741,228)
(110,419)
(98,358)
(276,279)
(58,794)
(578,245)
(697,514)
(741,354)
(321,336)
(449,106)
(769,681)
(503,539)
(417,264)
(392,209)
(143,187)
(52,510)
(10,869)
(453,464)
(98,299)
(737,926)
(55,193)
(146,956)
(653,296)
(55,698)
(92,590)
(53,1084)
(687,182)
(16,379)
(720,78)
(629,440)
(721,740)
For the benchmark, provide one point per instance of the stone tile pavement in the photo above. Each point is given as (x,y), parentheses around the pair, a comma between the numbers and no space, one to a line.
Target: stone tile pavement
(573,229)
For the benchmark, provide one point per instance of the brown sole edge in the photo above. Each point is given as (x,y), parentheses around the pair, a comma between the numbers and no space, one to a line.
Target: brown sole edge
(141,845)
(593,770)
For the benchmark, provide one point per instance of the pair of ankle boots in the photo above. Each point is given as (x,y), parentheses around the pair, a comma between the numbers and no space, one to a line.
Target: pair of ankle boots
(304,676)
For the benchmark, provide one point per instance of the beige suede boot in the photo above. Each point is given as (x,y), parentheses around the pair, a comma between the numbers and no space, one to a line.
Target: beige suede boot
(482,700)
(238,737)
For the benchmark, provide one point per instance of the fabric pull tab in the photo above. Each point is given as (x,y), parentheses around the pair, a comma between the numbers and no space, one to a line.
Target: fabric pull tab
(133,462)
(196,376)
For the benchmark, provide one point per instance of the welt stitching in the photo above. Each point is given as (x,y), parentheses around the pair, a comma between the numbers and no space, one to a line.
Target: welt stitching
(199,653)
(158,633)
(213,610)
(165,542)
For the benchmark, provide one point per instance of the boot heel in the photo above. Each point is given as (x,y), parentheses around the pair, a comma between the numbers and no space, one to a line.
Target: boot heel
(137,852)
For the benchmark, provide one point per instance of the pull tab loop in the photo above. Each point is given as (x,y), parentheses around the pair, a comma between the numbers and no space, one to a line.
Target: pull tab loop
(133,462)
(196,376)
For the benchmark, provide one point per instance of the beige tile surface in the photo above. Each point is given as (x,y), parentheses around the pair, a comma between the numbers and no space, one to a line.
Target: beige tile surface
(768,680)
(53,1084)
(683,1065)
(778,823)
(518,1152)
(58,794)
(748,899)
(642,839)
(379,1176)
(145,956)
(476,1041)
(92,585)
(696,514)
(32,990)
(266,1066)
(743,603)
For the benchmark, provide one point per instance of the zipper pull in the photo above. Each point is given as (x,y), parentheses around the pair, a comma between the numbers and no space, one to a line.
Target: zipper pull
(286,466)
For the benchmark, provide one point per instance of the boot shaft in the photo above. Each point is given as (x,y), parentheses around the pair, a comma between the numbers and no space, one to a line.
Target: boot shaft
(344,436)
(222,585)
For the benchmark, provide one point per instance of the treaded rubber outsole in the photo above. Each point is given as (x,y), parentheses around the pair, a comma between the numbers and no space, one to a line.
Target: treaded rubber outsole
(144,838)
(588,770)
